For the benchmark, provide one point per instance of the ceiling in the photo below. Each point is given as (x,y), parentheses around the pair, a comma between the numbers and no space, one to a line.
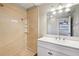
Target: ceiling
(28,5)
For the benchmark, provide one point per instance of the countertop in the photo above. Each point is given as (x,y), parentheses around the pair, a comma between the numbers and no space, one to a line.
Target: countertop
(66,42)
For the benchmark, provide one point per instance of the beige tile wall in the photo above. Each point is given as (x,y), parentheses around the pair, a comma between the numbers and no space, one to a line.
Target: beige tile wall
(12,40)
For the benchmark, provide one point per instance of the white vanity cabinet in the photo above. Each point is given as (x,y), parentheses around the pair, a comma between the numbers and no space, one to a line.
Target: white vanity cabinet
(51,49)
(42,51)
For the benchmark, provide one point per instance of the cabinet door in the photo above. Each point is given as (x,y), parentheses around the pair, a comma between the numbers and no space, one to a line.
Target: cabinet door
(44,52)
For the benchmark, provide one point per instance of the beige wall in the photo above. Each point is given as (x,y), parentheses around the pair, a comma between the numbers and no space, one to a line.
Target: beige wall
(32,34)
(12,40)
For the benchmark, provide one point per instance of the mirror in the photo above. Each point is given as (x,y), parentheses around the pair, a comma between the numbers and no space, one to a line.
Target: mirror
(65,26)
(52,26)
(64,22)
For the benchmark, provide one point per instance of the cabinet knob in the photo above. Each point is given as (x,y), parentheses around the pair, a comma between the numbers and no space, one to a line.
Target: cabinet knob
(50,53)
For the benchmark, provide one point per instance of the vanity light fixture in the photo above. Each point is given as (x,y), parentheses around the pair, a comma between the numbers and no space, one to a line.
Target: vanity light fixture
(61,8)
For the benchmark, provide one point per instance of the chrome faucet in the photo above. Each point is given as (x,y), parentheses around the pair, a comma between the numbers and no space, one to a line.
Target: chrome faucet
(59,38)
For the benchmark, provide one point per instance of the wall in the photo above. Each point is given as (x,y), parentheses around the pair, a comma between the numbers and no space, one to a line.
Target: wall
(12,40)
(75,16)
(42,20)
(43,9)
(32,34)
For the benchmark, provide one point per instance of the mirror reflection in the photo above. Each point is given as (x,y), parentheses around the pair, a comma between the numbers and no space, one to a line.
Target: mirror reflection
(63,20)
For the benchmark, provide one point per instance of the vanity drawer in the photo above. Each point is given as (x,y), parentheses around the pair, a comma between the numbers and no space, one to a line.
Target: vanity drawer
(45,44)
(63,49)
(42,51)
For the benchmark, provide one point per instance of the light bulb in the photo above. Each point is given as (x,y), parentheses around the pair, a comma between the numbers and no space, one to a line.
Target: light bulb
(67,9)
(60,7)
(53,9)
(60,11)
(54,12)
(69,5)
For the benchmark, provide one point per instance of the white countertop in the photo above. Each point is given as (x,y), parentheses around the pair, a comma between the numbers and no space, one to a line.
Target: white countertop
(69,43)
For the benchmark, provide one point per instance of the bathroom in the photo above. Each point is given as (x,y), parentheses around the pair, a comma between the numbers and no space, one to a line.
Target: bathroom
(39,29)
